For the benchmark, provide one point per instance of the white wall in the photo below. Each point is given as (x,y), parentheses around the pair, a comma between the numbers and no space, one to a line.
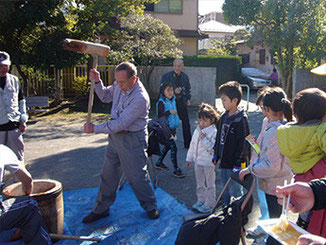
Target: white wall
(303,78)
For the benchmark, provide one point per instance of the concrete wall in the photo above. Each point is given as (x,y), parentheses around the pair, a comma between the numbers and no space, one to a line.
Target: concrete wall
(303,78)
(202,81)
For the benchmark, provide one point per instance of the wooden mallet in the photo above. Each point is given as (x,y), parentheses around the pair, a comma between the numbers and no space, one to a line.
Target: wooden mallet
(95,49)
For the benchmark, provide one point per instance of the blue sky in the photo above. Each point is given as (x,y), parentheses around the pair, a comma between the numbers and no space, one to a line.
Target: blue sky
(206,6)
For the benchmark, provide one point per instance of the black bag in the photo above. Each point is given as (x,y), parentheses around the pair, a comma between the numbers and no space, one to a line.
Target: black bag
(223,225)
(159,134)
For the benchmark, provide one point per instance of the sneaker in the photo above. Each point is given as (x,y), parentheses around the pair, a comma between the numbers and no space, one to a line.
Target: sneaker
(204,209)
(255,233)
(197,205)
(161,166)
(177,173)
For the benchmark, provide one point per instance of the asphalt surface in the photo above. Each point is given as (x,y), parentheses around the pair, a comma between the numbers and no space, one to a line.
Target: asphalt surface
(58,149)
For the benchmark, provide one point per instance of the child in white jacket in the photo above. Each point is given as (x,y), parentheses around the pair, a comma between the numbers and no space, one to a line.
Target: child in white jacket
(201,152)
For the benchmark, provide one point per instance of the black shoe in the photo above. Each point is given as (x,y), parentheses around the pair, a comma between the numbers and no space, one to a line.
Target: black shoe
(161,166)
(154,214)
(93,217)
(177,173)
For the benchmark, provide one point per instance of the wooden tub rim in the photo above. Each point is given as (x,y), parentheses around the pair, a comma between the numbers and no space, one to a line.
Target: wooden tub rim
(55,191)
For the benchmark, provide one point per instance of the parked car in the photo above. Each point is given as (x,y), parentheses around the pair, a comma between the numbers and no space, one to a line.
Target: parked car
(255,78)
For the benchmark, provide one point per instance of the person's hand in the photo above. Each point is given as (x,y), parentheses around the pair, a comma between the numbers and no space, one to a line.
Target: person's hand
(173,112)
(243,173)
(188,164)
(22,126)
(302,196)
(311,239)
(88,128)
(94,75)
(177,90)
(215,162)
(26,179)
(188,103)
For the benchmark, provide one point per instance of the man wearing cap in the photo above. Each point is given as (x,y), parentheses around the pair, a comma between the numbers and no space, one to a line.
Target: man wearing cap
(13,115)
(21,212)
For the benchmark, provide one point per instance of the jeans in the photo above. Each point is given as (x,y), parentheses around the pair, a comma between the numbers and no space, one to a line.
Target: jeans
(234,189)
(262,205)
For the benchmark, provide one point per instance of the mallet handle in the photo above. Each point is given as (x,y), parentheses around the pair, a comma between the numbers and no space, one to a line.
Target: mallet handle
(91,92)
(80,238)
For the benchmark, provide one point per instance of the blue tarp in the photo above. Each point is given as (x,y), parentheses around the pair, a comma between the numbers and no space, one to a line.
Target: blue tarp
(128,222)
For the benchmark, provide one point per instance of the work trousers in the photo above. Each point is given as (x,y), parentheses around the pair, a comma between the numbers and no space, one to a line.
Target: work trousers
(206,190)
(182,109)
(125,153)
(23,213)
(14,140)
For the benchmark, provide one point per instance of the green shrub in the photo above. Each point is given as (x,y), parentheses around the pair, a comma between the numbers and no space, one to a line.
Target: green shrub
(80,87)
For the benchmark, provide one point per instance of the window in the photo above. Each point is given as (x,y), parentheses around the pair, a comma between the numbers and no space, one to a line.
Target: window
(245,58)
(149,7)
(262,55)
(165,6)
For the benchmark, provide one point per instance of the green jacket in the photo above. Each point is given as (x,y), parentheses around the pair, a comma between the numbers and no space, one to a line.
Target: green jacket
(303,144)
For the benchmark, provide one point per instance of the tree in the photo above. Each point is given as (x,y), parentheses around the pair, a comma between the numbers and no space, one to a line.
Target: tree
(218,47)
(31,31)
(294,30)
(144,41)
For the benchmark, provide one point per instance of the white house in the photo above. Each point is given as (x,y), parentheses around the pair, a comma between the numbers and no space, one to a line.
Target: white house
(214,26)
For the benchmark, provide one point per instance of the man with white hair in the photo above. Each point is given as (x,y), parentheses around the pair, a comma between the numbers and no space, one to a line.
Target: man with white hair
(13,115)
(181,84)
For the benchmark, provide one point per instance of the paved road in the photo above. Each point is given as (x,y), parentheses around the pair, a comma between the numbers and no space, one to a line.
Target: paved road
(57,149)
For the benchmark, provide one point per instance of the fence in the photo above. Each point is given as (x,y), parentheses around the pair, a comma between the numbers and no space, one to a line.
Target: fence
(47,82)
